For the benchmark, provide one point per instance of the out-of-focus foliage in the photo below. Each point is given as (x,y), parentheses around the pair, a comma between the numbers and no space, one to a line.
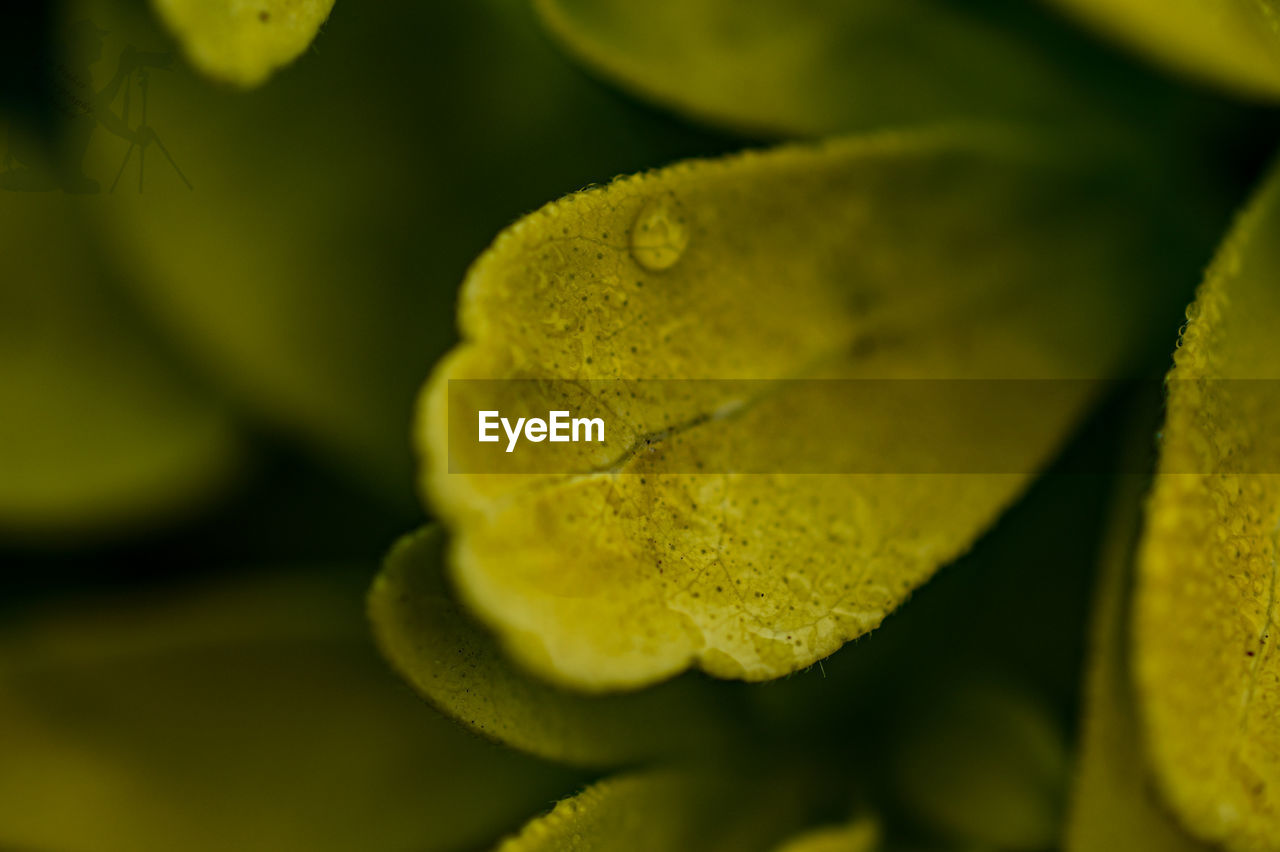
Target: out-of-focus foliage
(1233,42)
(312,270)
(1114,807)
(946,254)
(986,766)
(241,42)
(710,810)
(99,432)
(245,716)
(858,836)
(815,67)
(292,250)
(439,649)
(1205,658)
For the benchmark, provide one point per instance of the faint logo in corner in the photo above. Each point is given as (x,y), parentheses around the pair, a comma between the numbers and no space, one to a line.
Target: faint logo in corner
(28,165)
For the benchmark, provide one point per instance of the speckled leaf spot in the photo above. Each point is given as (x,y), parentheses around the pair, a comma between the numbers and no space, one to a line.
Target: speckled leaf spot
(947,254)
(1235,43)
(243,41)
(1207,668)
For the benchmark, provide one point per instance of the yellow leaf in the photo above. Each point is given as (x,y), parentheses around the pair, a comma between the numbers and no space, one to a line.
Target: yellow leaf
(251,716)
(243,42)
(1235,43)
(458,666)
(1206,664)
(862,835)
(814,67)
(673,809)
(948,254)
(100,429)
(1113,805)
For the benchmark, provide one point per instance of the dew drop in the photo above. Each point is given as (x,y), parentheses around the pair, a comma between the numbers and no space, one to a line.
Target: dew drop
(659,235)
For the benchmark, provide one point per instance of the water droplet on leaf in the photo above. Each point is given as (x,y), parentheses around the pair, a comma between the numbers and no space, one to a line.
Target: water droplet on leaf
(659,235)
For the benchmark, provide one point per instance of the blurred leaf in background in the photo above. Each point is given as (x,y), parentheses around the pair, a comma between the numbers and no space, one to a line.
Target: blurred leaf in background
(1113,804)
(243,43)
(1235,43)
(244,715)
(985,766)
(312,269)
(102,431)
(814,67)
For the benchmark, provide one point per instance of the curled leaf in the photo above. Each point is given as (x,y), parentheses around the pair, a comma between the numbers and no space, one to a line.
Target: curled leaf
(814,67)
(458,666)
(1205,657)
(243,42)
(1113,804)
(1233,42)
(946,254)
